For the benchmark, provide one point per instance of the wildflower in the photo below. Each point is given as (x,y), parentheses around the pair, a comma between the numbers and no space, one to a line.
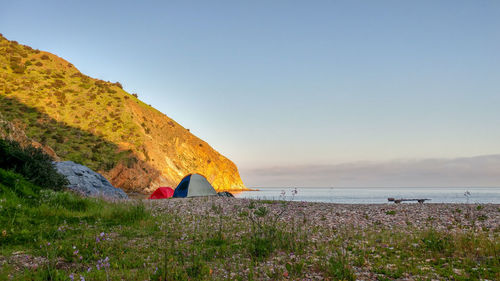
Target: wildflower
(102,234)
(72,277)
(4,232)
(82,278)
(89,269)
(48,243)
(75,252)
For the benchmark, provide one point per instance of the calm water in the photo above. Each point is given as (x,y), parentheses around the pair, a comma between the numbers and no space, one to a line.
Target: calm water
(377,195)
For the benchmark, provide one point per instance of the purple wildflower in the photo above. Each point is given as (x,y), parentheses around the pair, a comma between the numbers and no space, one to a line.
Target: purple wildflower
(72,277)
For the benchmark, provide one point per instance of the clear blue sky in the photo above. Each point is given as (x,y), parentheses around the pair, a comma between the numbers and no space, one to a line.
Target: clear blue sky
(284,83)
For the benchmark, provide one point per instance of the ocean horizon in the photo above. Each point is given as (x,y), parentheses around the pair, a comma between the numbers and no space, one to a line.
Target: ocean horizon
(376,195)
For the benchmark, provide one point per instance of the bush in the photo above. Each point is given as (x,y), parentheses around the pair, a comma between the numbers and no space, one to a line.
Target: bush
(32,163)
(58,84)
(16,65)
(18,68)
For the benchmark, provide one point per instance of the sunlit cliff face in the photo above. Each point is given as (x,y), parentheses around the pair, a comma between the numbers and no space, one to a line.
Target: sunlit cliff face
(98,124)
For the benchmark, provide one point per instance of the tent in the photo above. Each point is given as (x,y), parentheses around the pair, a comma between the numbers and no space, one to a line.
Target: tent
(162,193)
(194,185)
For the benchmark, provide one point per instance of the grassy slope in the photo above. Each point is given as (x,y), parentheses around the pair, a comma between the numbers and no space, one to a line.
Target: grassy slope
(97,123)
(49,94)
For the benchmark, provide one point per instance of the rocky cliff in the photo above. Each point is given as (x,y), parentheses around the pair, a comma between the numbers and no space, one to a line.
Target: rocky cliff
(98,124)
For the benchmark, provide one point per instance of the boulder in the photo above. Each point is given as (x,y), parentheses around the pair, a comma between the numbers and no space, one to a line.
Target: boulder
(84,180)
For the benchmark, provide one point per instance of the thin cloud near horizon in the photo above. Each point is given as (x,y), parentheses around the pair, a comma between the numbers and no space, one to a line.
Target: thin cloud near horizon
(478,171)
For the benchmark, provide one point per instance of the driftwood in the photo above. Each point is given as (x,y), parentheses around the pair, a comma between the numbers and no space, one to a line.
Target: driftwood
(397,201)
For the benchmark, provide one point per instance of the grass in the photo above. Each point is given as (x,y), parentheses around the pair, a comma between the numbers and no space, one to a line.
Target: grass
(64,234)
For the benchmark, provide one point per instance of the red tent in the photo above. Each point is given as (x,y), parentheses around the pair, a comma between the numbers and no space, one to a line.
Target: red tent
(162,193)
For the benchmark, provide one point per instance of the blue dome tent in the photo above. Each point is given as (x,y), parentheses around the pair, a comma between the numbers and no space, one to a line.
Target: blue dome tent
(194,185)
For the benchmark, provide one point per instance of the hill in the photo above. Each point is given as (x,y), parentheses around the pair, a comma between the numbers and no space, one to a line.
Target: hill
(98,124)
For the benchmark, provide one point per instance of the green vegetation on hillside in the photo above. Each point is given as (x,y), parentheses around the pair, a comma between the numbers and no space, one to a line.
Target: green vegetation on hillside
(68,142)
(97,124)
(36,87)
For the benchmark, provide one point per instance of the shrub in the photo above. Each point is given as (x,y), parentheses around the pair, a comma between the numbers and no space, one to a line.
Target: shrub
(18,68)
(58,84)
(16,65)
(44,57)
(32,163)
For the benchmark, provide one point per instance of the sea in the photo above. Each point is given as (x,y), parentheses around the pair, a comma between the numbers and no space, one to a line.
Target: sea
(373,195)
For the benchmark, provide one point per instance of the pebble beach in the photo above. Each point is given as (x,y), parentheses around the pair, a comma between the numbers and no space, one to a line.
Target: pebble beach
(450,217)
(384,231)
